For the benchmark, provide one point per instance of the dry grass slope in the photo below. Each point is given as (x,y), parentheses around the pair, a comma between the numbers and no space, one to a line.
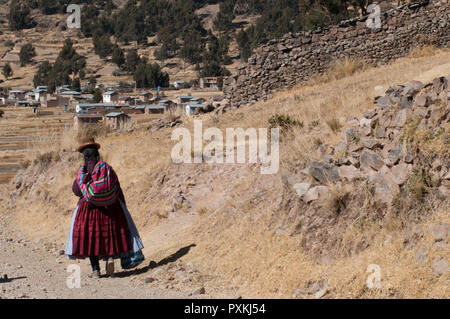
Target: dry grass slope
(229,209)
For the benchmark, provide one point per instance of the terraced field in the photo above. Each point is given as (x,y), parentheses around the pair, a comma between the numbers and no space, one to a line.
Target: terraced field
(22,131)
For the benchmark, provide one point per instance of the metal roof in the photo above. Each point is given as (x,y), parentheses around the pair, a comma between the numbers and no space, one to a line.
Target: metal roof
(155,107)
(85,105)
(70,93)
(114,114)
(109,93)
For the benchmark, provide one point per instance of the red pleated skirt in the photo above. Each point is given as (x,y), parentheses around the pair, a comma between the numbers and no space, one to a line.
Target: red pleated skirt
(100,231)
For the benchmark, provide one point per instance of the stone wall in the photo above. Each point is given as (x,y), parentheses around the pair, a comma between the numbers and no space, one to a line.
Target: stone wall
(388,143)
(282,63)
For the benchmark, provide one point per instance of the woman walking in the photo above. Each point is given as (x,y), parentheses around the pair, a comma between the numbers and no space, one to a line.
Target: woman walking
(101,226)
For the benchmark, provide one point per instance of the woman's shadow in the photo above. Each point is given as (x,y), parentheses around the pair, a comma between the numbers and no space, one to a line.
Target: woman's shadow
(152,264)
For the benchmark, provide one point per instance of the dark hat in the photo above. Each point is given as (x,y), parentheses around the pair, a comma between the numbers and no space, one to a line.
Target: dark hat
(88,142)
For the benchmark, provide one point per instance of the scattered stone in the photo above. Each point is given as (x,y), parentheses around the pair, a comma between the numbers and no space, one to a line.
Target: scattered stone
(299,292)
(370,159)
(349,172)
(400,173)
(321,293)
(439,265)
(199,291)
(370,113)
(340,148)
(380,132)
(371,143)
(385,187)
(400,118)
(315,193)
(395,154)
(440,232)
(422,100)
(421,255)
(149,280)
(365,122)
(301,188)
(323,172)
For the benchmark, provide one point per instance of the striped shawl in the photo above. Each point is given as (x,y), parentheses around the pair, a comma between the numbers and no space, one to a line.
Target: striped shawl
(102,189)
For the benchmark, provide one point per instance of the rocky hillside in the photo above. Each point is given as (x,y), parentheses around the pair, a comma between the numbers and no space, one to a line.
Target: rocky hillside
(359,184)
(295,58)
(396,158)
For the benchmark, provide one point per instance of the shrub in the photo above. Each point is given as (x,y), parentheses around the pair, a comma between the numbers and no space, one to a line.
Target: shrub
(284,122)
(343,68)
(334,125)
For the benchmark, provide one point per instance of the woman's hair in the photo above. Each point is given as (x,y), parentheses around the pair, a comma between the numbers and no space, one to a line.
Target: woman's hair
(90,154)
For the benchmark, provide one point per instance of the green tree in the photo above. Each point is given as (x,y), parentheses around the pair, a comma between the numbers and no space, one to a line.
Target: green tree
(98,97)
(225,16)
(26,54)
(192,48)
(118,56)
(76,85)
(132,60)
(68,63)
(18,17)
(102,45)
(243,42)
(7,71)
(149,75)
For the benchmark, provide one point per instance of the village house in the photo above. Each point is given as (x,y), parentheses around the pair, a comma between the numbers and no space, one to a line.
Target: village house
(72,95)
(86,119)
(86,107)
(125,100)
(63,88)
(155,109)
(129,110)
(116,120)
(145,96)
(197,100)
(3,98)
(212,82)
(50,100)
(16,95)
(178,84)
(140,108)
(110,97)
(166,103)
(184,99)
(24,103)
(30,96)
(39,91)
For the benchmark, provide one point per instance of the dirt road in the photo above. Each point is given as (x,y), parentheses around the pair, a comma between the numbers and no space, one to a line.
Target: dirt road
(38,270)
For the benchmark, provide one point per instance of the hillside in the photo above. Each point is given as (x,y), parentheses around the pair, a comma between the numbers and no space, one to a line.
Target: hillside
(175,34)
(256,235)
(50,32)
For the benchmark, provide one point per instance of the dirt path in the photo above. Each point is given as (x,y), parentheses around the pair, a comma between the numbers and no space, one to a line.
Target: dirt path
(37,270)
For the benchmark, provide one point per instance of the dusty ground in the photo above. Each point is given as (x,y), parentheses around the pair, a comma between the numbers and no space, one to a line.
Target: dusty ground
(36,269)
